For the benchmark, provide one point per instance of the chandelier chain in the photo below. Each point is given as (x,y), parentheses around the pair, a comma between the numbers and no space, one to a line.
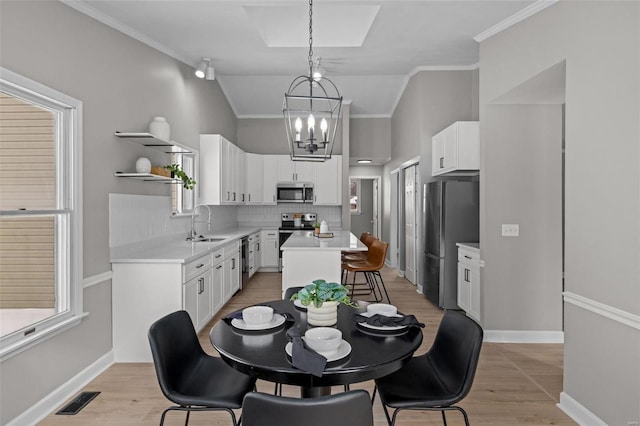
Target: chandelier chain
(310,37)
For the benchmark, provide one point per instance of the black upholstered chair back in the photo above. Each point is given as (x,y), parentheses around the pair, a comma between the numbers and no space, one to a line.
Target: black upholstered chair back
(455,352)
(175,349)
(351,408)
(290,291)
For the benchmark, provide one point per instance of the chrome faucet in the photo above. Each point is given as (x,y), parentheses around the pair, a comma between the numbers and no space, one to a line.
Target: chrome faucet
(194,221)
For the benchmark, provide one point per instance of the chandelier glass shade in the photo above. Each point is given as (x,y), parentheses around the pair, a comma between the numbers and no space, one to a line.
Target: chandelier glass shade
(312,108)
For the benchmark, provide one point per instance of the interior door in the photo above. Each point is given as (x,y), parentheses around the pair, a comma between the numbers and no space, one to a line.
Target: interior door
(410,225)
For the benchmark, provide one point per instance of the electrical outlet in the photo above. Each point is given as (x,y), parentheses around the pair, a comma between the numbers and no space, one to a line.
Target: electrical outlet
(510,230)
(632,423)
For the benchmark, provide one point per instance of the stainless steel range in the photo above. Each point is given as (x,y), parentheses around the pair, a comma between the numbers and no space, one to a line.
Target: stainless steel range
(293,222)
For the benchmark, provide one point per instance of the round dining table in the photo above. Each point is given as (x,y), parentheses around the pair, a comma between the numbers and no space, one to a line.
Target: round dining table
(261,354)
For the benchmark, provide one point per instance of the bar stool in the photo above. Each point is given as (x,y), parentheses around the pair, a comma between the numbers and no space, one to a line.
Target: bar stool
(371,269)
(357,256)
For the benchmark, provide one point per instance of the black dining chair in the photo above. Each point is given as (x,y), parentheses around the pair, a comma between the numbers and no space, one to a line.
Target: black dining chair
(351,408)
(188,376)
(440,378)
(290,291)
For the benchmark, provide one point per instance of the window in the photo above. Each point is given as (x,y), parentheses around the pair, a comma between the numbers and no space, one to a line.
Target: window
(183,200)
(354,196)
(40,212)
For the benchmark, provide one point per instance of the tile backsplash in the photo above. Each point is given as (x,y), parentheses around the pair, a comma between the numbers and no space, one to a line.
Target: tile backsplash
(135,218)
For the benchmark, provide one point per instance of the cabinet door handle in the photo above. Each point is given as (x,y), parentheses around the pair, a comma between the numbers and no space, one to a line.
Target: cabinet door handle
(200,266)
(257,246)
(219,267)
(233,263)
(218,256)
(234,196)
(441,162)
(228,196)
(467,257)
(243,198)
(466,274)
(249,197)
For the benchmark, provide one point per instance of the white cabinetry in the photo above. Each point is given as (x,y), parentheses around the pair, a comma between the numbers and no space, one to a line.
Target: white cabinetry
(254,180)
(231,268)
(221,171)
(294,171)
(456,149)
(469,280)
(143,292)
(327,182)
(270,178)
(255,253)
(269,249)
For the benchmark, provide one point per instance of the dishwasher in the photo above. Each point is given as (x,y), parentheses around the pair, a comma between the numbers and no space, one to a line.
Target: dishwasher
(245,262)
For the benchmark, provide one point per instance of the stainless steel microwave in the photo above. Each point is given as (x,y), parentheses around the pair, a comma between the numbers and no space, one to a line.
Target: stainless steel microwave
(295,192)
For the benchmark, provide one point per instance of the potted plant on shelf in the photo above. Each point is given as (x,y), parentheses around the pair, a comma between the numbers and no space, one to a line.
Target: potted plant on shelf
(316,228)
(322,299)
(177,172)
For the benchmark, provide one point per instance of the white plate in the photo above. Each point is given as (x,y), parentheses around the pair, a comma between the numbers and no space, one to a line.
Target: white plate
(297,303)
(383,327)
(343,350)
(276,321)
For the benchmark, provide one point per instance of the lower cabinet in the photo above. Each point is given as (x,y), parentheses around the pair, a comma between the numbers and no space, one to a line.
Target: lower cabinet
(142,293)
(269,250)
(469,281)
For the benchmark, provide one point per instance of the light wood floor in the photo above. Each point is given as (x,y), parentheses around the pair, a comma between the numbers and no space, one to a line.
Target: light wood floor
(516,384)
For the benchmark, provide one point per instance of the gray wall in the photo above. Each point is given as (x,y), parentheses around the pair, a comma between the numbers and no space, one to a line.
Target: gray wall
(370,138)
(362,222)
(600,43)
(268,136)
(122,84)
(522,183)
(431,101)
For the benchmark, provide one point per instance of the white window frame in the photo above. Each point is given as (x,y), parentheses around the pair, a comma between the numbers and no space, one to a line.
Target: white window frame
(69,200)
(183,201)
(358,209)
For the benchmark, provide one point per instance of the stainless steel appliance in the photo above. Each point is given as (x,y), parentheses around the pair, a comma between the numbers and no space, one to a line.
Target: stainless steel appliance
(291,222)
(451,211)
(295,192)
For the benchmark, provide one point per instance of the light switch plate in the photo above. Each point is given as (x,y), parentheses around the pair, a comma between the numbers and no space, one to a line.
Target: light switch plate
(510,230)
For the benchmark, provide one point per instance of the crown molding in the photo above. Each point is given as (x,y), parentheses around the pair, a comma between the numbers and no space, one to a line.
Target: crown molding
(514,19)
(83,7)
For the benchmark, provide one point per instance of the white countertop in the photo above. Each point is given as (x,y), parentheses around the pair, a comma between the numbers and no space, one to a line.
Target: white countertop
(175,249)
(305,241)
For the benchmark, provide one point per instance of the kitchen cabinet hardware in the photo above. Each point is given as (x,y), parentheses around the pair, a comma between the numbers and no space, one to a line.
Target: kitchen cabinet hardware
(219,266)
(200,266)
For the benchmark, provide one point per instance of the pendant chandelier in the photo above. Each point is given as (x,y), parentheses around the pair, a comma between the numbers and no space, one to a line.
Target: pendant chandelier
(312,108)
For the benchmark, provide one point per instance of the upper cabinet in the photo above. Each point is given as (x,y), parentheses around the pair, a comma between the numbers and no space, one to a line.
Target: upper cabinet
(294,171)
(221,171)
(327,182)
(456,149)
(270,178)
(254,180)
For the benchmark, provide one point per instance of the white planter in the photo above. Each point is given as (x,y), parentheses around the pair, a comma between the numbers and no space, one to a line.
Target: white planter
(325,315)
(160,128)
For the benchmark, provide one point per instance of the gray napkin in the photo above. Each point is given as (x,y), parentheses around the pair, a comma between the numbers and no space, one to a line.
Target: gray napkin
(304,358)
(381,320)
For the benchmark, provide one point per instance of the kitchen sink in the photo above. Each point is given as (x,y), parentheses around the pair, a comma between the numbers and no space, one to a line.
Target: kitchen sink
(206,239)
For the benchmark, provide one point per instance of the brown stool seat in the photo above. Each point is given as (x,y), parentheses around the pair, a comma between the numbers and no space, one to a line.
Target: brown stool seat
(371,270)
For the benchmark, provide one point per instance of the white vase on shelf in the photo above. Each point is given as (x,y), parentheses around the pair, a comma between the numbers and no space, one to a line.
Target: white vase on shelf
(160,128)
(143,165)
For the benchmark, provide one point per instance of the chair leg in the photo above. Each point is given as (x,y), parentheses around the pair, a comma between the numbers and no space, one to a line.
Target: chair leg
(444,418)
(186,421)
(373,396)
(383,286)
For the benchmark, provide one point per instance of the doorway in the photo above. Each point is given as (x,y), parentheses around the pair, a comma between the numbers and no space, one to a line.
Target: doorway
(365,206)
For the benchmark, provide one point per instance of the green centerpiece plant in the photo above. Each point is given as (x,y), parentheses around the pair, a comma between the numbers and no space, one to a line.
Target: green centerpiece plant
(321,291)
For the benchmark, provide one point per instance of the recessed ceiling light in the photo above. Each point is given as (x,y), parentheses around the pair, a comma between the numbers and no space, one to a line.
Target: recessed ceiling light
(364,161)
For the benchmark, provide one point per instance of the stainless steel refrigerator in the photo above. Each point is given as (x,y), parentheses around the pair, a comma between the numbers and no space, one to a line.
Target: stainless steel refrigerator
(451,215)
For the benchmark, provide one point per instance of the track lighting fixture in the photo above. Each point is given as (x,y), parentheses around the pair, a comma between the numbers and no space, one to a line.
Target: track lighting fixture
(205,69)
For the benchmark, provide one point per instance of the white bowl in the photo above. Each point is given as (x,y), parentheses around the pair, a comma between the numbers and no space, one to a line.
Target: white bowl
(324,340)
(257,315)
(382,309)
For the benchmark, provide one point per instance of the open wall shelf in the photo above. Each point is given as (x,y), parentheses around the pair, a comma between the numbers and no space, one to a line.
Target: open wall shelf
(148,177)
(147,139)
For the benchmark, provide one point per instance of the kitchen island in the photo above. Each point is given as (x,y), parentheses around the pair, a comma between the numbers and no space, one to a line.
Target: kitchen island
(306,258)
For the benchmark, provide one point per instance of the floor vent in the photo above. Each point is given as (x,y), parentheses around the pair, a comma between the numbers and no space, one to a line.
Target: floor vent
(78,403)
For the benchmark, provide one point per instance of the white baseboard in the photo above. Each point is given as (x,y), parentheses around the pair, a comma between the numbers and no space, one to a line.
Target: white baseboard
(523,336)
(46,405)
(578,412)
